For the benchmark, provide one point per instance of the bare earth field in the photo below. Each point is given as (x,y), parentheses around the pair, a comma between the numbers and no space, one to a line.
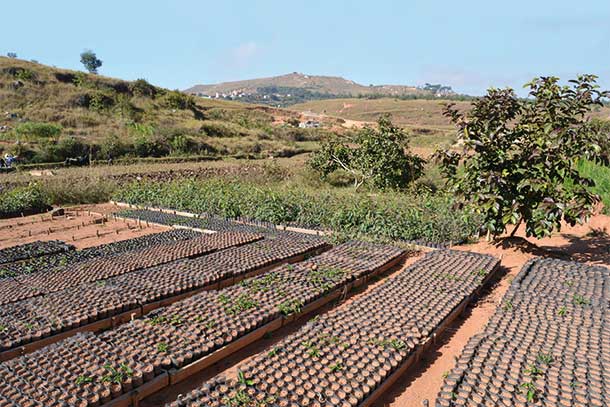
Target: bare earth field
(80,226)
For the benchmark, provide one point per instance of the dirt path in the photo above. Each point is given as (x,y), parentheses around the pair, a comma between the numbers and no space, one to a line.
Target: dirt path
(587,243)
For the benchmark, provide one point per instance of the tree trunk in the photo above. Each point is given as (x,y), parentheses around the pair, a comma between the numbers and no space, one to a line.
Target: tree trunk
(516,228)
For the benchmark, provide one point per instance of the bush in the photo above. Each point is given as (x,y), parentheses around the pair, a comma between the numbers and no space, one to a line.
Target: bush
(141,87)
(386,216)
(68,147)
(19,200)
(380,158)
(178,100)
(113,147)
(38,130)
(150,146)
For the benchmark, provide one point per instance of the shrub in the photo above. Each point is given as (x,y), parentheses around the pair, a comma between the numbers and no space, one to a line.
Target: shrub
(67,147)
(38,130)
(178,100)
(19,200)
(141,87)
(520,153)
(113,147)
(150,146)
(380,158)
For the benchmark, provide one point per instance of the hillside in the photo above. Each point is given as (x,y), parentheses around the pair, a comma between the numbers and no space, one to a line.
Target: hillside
(47,110)
(297,87)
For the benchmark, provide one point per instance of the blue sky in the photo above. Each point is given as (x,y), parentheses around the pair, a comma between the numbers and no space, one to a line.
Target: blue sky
(470,45)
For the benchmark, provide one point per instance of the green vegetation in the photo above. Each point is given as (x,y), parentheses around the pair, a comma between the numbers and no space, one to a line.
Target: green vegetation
(601,175)
(50,105)
(520,154)
(387,215)
(380,159)
(24,199)
(90,61)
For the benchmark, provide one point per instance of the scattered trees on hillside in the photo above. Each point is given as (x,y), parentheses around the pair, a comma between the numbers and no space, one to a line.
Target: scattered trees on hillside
(11,55)
(90,61)
(378,158)
(520,155)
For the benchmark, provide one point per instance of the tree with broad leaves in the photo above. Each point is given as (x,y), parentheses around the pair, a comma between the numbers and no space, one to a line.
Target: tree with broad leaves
(520,155)
(378,157)
(90,61)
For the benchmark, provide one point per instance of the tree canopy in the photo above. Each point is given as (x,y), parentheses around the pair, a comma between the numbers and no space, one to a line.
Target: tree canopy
(519,162)
(376,157)
(90,61)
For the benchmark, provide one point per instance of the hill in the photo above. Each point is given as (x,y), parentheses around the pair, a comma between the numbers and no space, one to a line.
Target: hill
(297,87)
(49,114)
(424,118)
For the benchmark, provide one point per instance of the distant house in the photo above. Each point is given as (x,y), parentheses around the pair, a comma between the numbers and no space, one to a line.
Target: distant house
(309,124)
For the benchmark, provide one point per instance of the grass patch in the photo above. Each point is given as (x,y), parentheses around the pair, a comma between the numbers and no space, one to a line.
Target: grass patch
(601,175)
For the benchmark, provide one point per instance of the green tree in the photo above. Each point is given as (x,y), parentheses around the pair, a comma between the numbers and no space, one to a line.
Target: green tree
(377,157)
(90,61)
(520,155)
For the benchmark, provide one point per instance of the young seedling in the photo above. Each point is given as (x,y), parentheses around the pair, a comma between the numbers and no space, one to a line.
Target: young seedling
(82,379)
(545,358)
(273,351)
(531,392)
(508,306)
(162,347)
(240,399)
(3,328)
(533,371)
(241,379)
(113,376)
(290,307)
(336,367)
(580,300)
(157,320)
(562,311)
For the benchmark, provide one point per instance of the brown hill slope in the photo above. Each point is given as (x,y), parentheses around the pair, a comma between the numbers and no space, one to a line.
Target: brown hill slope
(331,85)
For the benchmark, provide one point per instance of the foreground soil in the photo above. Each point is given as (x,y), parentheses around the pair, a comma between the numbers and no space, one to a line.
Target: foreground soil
(82,227)
(584,243)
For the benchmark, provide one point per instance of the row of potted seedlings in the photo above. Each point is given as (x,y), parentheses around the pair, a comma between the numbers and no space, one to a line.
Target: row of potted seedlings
(62,259)
(548,343)
(202,221)
(206,220)
(24,287)
(341,358)
(78,368)
(33,250)
(36,318)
